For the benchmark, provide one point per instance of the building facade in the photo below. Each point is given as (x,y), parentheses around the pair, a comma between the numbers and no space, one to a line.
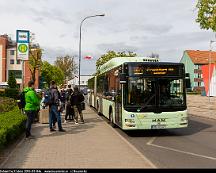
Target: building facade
(83,81)
(10,64)
(200,69)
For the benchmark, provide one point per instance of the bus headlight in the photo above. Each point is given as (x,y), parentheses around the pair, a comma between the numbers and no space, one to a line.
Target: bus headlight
(129,120)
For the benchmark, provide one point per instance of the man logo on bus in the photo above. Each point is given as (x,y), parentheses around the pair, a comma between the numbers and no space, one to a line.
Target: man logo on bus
(159,120)
(23,48)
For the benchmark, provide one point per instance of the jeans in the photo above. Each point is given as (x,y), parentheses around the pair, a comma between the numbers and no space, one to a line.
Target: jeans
(77,110)
(30,120)
(54,113)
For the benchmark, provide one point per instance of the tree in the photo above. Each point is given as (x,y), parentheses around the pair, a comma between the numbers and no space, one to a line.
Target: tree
(207,14)
(50,72)
(154,55)
(12,81)
(112,54)
(35,61)
(67,65)
(35,53)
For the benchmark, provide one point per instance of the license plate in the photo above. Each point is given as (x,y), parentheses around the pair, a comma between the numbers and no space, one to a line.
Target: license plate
(158,126)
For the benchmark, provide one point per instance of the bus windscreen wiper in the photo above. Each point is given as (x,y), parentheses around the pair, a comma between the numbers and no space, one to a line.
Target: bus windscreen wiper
(141,108)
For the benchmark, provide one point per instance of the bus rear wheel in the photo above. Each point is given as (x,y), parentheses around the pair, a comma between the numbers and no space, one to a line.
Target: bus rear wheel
(111,120)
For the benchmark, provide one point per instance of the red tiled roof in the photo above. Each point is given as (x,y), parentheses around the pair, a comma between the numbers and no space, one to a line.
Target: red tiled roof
(201,57)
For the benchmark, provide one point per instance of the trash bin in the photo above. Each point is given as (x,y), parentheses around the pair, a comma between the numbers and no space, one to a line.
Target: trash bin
(203,93)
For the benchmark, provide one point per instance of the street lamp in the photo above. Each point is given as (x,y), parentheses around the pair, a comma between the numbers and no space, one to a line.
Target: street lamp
(80,39)
(209,68)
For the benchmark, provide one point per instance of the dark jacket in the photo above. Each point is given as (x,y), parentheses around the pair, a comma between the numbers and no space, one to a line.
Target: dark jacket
(68,94)
(55,95)
(76,98)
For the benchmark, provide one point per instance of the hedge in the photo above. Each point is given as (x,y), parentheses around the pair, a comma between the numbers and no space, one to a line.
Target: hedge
(11,126)
(10,92)
(7,104)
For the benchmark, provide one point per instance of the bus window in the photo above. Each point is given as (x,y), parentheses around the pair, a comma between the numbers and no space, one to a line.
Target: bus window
(141,91)
(171,93)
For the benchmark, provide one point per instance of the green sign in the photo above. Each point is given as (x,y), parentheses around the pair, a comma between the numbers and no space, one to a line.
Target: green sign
(23,48)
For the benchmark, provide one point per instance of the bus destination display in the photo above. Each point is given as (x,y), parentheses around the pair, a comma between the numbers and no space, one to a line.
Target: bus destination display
(156,70)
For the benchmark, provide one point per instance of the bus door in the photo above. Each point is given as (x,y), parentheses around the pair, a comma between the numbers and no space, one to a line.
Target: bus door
(118,104)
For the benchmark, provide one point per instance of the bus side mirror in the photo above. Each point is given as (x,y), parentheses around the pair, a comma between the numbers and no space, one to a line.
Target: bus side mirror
(122,78)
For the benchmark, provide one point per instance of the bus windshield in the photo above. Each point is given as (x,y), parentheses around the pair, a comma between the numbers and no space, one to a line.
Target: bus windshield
(148,94)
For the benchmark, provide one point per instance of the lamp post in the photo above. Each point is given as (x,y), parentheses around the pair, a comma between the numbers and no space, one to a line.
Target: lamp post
(209,68)
(81,37)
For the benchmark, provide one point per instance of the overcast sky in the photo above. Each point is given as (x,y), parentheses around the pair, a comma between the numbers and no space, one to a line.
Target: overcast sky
(165,27)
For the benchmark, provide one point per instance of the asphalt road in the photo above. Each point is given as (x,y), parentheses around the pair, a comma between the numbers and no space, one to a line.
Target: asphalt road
(192,147)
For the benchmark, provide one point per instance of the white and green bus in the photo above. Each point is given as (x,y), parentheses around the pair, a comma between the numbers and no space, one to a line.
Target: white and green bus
(140,93)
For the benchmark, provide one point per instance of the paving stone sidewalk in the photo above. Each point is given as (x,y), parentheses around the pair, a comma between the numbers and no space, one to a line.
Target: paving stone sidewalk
(201,106)
(91,145)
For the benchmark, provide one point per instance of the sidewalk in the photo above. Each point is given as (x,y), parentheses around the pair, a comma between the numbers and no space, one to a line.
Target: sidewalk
(91,145)
(200,106)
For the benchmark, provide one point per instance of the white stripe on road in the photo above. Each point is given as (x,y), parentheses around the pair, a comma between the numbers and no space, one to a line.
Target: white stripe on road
(180,151)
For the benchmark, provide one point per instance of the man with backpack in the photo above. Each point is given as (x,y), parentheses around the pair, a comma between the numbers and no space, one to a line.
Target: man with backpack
(76,99)
(54,106)
(31,106)
(69,109)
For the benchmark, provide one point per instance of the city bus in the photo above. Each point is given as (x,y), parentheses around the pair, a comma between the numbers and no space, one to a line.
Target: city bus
(140,93)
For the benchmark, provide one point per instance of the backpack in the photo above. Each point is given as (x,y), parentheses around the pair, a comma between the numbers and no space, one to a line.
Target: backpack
(48,99)
(22,101)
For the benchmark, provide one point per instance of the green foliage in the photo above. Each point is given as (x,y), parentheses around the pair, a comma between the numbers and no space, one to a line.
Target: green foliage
(67,65)
(12,81)
(58,75)
(11,126)
(207,14)
(35,54)
(12,93)
(112,54)
(91,83)
(7,104)
(50,72)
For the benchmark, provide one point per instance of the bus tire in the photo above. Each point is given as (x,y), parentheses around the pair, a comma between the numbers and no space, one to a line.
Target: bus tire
(111,119)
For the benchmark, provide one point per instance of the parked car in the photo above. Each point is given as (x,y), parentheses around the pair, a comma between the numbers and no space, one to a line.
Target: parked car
(4,85)
(38,90)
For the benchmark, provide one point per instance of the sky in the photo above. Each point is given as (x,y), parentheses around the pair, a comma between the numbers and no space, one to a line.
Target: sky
(165,27)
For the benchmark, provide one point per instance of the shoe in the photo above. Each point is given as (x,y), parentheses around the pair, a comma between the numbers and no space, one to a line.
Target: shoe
(52,130)
(62,130)
(76,123)
(65,121)
(82,122)
(30,137)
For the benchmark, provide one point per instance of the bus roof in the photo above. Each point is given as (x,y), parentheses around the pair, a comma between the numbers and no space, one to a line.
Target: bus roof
(115,62)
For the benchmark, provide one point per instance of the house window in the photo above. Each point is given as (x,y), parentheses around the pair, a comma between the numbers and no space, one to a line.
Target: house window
(11,61)
(12,52)
(18,61)
(17,73)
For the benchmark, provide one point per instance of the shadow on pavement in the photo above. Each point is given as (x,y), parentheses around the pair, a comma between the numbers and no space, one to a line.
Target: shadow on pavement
(41,131)
(193,127)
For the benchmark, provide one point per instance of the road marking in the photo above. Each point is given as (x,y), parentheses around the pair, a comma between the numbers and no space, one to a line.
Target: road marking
(176,150)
